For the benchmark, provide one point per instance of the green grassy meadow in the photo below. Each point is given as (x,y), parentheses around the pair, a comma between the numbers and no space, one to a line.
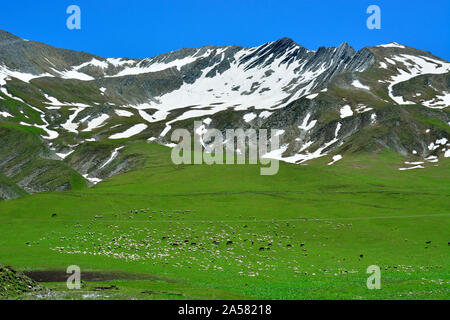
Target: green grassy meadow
(226,232)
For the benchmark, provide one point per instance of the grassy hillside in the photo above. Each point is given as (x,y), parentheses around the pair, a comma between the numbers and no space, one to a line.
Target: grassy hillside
(198,231)
(13,284)
(29,164)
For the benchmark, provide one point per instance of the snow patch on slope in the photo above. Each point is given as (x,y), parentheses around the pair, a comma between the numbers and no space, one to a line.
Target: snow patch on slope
(335,158)
(123,113)
(96,122)
(359,85)
(438,102)
(64,155)
(6,73)
(113,156)
(249,117)
(306,125)
(155,66)
(134,130)
(346,111)
(5,114)
(392,45)
(415,66)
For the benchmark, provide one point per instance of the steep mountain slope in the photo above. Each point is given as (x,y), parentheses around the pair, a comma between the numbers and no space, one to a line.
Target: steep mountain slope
(331,101)
(8,189)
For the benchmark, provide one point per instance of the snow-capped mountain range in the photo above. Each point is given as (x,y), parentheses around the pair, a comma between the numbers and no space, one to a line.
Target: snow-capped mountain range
(324,102)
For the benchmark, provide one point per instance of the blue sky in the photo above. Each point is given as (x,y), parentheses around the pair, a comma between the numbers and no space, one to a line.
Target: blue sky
(145,28)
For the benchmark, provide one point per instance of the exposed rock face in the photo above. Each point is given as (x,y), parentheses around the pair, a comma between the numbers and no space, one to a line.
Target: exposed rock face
(9,190)
(83,110)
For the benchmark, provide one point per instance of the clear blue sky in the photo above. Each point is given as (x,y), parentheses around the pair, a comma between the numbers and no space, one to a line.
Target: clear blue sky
(145,28)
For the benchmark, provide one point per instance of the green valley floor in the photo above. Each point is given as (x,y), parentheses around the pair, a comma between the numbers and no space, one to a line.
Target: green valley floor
(226,232)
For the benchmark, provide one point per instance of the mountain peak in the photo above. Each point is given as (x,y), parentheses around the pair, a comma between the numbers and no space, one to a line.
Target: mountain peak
(285,40)
(280,45)
(283,43)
